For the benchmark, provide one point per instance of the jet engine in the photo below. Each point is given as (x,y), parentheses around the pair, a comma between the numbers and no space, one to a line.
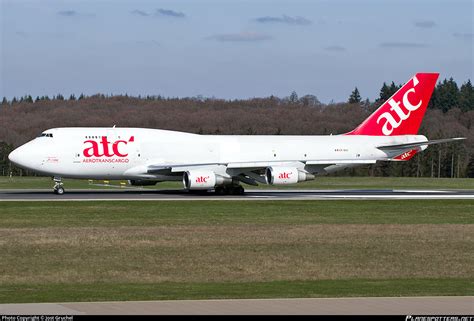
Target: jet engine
(286,175)
(203,180)
(142,182)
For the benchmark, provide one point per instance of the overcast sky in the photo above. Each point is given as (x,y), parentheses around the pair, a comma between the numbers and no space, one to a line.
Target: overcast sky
(230,49)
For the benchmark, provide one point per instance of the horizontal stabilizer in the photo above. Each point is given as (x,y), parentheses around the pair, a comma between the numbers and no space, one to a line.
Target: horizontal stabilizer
(418,144)
(406,155)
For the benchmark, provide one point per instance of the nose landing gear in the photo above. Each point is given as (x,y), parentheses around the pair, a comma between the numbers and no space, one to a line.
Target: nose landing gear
(58,186)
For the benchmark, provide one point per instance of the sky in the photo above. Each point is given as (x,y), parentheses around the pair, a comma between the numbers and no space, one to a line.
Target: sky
(230,49)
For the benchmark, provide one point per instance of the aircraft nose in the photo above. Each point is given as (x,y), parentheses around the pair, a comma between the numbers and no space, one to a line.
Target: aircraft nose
(19,156)
(14,156)
(29,156)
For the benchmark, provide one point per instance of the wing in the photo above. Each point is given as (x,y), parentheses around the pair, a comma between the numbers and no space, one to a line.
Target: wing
(252,173)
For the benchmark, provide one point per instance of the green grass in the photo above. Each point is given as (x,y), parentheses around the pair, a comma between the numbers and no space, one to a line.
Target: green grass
(100,251)
(57,292)
(27,182)
(325,182)
(122,213)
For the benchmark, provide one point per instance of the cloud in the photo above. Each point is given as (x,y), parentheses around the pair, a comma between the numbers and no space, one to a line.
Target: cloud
(140,13)
(402,45)
(425,24)
(68,13)
(159,12)
(74,13)
(170,13)
(465,36)
(241,37)
(335,48)
(284,19)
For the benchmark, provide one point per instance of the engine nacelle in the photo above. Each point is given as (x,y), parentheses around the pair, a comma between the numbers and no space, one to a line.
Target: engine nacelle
(203,180)
(286,175)
(142,182)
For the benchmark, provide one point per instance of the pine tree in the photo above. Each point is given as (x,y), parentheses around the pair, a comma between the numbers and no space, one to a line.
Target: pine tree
(60,97)
(355,97)
(387,91)
(81,96)
(466,96)
(4,101)
(447,95)
(72,97)
(393,89)
(434,98)
(384,93)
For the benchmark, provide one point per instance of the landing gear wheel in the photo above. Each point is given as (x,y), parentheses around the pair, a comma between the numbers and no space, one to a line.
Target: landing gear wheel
(238,190)
(58,188)
(229,190)
(235,190)
(220,190)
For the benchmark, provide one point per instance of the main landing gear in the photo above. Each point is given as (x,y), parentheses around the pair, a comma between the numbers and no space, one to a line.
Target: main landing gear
(230,190)
(58,186)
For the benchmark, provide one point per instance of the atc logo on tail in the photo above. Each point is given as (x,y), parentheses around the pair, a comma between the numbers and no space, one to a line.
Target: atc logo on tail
(403,112)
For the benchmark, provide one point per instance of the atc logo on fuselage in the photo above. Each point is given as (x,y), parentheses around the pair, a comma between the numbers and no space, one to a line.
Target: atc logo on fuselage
(105,151)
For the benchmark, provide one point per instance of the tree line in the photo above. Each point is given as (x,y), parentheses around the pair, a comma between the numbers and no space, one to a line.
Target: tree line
(446,95)
(450,114)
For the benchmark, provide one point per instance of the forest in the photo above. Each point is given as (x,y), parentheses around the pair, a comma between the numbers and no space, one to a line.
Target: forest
(450,114)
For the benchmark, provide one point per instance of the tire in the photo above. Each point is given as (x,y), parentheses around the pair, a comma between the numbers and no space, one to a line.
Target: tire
(236,190)
(220,190)
(59,191)
(239,190)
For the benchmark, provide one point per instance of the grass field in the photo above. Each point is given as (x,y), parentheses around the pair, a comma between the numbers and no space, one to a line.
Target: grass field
(99,251)
(324,182)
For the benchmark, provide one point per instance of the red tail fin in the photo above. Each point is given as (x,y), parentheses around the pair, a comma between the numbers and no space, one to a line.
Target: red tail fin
(403,112)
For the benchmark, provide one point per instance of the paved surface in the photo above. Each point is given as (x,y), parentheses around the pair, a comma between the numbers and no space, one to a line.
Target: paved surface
(107,194)
(399,306)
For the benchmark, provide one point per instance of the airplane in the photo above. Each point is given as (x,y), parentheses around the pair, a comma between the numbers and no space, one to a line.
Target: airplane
(221,163)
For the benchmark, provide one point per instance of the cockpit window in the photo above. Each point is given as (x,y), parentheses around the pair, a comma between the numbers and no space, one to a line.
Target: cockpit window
(46,135)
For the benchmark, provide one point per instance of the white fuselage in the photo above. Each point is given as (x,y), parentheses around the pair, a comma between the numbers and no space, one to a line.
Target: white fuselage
(127,153)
